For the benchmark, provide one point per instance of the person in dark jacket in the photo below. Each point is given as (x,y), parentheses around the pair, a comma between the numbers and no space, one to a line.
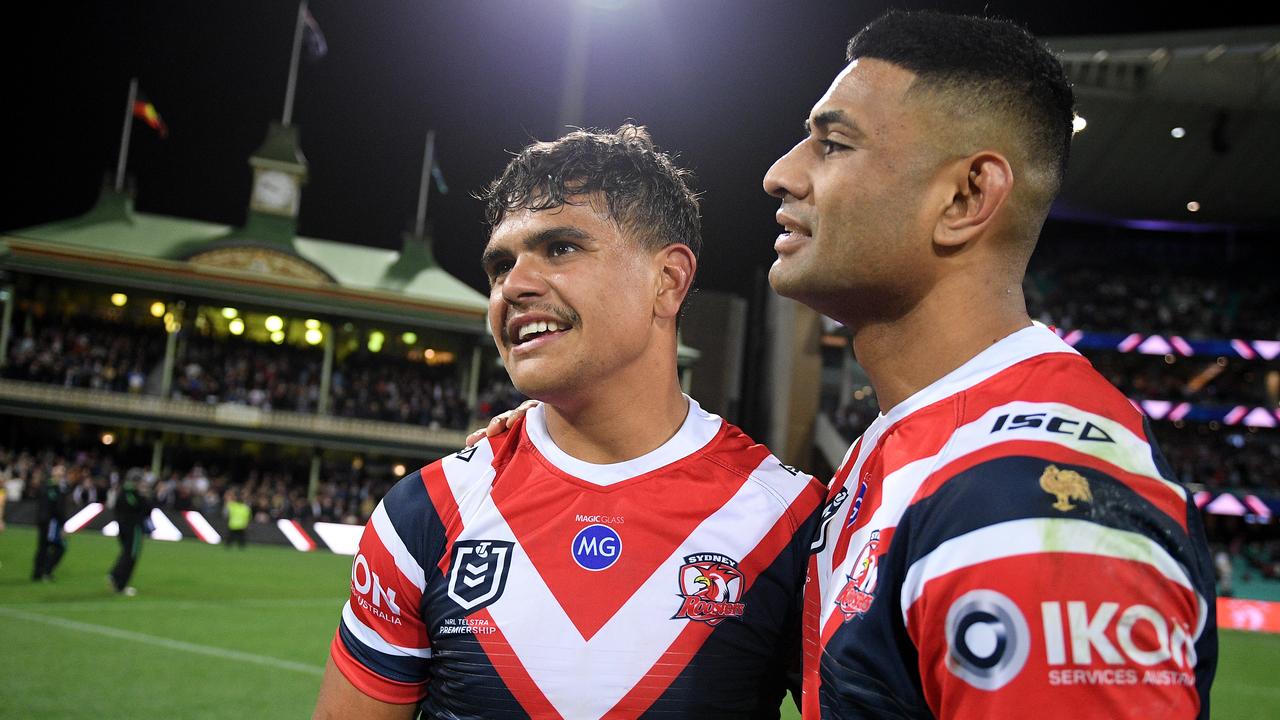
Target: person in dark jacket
(132,511)
(51,500)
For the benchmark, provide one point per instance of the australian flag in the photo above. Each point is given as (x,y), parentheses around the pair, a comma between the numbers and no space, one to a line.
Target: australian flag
(312,38)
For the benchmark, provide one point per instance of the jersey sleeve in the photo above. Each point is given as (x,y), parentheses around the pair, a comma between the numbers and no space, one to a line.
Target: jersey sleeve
(382,646)
(1035,588)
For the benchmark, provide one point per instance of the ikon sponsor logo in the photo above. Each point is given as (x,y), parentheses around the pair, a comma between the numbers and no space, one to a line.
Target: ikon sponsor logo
(1142,635)
(988,643)
(374,596)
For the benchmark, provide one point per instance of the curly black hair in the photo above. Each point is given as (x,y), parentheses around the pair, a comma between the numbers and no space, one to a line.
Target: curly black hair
(644,192)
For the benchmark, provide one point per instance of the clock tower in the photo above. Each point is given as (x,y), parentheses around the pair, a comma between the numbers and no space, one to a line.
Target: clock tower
(279,170)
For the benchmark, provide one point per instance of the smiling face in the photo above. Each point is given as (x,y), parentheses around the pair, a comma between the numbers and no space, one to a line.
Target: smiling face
(571,300)
(855,198)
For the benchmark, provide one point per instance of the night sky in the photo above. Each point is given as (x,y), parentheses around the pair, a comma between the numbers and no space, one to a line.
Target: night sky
(725,84)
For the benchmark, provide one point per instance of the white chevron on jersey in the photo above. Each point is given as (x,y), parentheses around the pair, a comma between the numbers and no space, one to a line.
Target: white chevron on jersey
(1040,535)
(390,539)
(547,643)
(368,636)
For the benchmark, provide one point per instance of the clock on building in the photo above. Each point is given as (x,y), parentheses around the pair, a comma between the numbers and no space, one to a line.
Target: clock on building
(275,191)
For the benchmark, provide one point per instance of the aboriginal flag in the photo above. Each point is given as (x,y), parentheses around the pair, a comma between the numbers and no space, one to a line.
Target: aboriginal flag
(143,109)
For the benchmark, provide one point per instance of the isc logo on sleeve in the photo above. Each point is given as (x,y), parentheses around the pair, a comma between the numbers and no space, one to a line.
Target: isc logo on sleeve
(596,547)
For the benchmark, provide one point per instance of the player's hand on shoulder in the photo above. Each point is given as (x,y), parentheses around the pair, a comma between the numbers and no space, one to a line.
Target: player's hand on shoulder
(501,423)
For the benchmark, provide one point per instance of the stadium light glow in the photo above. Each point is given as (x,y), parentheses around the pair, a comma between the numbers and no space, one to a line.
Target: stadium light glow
(236,326)
(274,323)
(1178,133)
(229,312)
(314,336)
(277,337)
(398,470)
(409,338)
(1193,206)
(429,354)
(312,324)
(157,309)
(376,338)
(108,438)
(119,299)
(1078,124)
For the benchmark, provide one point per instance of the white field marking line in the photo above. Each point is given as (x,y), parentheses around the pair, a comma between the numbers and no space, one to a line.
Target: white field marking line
(163,642)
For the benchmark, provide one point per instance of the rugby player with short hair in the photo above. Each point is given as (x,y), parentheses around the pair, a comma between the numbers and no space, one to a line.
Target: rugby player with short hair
(1005,539)
(621,552)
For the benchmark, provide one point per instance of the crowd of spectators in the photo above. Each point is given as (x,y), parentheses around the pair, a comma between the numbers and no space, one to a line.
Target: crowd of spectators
(1197,380)
(95,354)
(84,353)
(347,493)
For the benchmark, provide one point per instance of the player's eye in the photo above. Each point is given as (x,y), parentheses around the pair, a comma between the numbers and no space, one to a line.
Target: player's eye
(560,247)
(497,269)
(829,147)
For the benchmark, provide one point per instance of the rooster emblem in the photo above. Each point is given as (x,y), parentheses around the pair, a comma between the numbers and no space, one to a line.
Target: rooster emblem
(710,588)
(1065,485)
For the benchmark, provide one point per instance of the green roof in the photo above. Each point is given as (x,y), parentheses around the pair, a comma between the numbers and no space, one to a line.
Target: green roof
(112,227)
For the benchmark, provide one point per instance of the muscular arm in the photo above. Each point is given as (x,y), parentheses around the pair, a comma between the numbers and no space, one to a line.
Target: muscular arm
(339,699)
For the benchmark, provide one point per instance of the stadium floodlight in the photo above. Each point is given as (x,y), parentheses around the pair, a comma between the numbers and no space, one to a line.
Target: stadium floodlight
(274,323)
(277,337)
(157,309)
(429,354)
(314,336)
(398,470)
(119,299)
(1078,124)
(312,324)
(236,326)
(1178,133)
(409,338)
(229,312)
(108,438)
(376,338)
(1193,206)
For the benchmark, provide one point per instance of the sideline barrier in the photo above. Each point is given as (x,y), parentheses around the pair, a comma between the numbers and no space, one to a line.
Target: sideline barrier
(1250,615)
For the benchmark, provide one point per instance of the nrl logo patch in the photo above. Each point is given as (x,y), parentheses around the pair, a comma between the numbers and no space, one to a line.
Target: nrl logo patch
(711,585)
(478,572)
(1065,485)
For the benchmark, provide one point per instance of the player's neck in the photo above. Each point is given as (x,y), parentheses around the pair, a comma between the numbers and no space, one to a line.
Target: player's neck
(619,423)
(944,331)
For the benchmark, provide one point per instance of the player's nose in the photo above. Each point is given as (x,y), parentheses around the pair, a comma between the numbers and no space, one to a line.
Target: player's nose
(787,176)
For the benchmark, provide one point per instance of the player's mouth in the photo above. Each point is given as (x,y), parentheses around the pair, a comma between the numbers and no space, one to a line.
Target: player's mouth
(795,233)
(529,332)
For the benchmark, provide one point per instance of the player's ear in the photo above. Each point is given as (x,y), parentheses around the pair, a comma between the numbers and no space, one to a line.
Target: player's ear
(675,266)
(976,188)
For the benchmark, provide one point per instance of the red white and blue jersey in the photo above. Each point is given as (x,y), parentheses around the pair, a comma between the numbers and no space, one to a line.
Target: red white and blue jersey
(512,580)
(1008,543)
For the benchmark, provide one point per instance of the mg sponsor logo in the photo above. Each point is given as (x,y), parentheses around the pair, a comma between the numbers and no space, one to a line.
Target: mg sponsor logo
(596,547)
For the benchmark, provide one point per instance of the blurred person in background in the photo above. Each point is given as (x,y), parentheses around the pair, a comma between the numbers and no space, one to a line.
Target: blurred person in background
(132,510)
(238,515)
(51,513)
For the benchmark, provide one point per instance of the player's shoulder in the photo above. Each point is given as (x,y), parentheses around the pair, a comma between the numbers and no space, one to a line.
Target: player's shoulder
(735,452)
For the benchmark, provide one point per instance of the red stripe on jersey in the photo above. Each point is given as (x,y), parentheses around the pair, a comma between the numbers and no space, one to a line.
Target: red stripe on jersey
(384,584)
(1095,649)
(446,507)
(507,663)
(371,683)
(1053,377)
(1161,496)
(677,656)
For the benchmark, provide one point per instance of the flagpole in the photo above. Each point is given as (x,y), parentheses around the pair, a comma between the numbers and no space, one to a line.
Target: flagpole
(124,135)
(287,118)
(424,187)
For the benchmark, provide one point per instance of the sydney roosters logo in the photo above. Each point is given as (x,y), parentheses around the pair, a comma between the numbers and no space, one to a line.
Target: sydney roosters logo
(710,585)
(856,595)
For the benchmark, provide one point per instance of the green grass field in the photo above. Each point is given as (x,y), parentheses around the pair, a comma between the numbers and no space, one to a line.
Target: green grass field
(218,633)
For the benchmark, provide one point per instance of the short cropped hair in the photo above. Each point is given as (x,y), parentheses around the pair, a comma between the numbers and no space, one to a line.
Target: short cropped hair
(644,192)
(992,64)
